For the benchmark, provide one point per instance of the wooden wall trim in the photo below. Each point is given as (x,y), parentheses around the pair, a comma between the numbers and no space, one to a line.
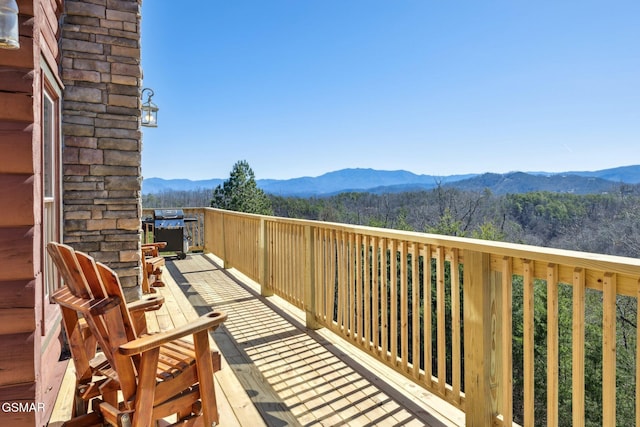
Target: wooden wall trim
(16,320)
(17,253)
(17,293)
(16,360)
(19,58)
(24,392)
(16,195)
(25,7)
(15,147)
(12,80)
(16,107)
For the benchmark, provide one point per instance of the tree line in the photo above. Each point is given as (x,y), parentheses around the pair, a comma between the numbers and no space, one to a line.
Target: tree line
(601,223)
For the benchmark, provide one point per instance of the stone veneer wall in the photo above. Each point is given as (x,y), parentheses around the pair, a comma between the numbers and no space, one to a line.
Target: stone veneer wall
(101,133)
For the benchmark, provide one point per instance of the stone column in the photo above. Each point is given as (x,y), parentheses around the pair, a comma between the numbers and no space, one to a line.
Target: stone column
(102,140)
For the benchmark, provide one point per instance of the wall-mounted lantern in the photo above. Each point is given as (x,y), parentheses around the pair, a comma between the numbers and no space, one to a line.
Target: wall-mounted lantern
(149,110)
(9,34)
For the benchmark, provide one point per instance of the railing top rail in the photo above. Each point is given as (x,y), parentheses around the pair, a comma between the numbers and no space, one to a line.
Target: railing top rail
(588,260)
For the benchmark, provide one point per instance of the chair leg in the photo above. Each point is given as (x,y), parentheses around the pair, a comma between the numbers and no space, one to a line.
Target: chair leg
(109,392)
(205,379)
(145,392)
(158,274)
(80,406)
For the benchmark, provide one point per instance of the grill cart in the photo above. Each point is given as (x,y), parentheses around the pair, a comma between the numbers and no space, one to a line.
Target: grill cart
(169,227)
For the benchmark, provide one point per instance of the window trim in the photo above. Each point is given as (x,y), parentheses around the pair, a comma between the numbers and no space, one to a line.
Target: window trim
(51,203)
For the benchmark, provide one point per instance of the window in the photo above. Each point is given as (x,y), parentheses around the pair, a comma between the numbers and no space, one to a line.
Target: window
(51,188)
(48,132)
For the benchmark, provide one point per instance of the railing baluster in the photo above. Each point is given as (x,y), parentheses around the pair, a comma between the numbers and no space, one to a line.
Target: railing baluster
(393,286)
(415,309)
(609,350)
(311,291)
(578,347)
(441,325)
(335,298)
(297,268)
(340,280)
(384,310)
(507,340)
(528,352)
(552,345)
(343,268)
(455,326)
(375,282)
(366,241)
(288,261)
(323,267)
(404,308)
(637,353)
(427,316)
(351,285)
(358,289)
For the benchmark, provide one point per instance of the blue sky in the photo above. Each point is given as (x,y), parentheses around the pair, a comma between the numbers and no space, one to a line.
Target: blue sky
(439,87)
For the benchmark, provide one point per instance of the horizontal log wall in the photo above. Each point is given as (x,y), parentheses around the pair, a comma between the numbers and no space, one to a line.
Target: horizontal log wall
(24,377)
(18,224)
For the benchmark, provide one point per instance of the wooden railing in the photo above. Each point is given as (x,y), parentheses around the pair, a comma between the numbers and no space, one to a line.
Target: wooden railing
(370,285)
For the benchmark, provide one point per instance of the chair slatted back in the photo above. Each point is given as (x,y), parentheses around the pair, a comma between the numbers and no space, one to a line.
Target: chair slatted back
(92,280)
(64,259)
(106,284)
(103,307)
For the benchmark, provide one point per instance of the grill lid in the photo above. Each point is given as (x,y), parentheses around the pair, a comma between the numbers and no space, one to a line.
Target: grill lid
(168,214)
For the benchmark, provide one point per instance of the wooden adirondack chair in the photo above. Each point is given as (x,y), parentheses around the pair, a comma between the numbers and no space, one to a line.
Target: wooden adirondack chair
(153,264)
(150,376)
(89,364)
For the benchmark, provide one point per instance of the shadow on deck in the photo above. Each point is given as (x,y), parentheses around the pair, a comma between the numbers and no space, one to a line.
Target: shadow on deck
(275,371)
(296,376)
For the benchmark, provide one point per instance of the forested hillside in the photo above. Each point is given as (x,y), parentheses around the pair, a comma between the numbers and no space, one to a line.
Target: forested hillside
(602,223)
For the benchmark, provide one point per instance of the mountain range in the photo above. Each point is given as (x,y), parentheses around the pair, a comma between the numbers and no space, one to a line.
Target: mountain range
(380,181)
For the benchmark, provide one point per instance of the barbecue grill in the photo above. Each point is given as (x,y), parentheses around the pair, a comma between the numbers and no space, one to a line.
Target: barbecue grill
(169,227)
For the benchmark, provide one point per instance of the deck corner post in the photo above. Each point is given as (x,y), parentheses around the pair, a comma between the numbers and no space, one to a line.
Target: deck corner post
(225,261)
(478,354)
(208,227)
(309,279)
(263,260)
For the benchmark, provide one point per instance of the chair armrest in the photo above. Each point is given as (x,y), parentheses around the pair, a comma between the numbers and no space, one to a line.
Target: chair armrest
(146,303)
(159,245)
(208,321)
(152,249)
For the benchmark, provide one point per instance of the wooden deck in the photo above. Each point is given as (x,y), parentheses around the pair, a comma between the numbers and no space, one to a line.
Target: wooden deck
(276,372)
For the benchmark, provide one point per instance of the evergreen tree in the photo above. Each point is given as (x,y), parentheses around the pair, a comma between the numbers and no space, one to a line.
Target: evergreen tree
(241,193)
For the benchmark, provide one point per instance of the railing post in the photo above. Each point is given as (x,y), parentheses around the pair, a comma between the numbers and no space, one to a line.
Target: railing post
(263,260)
(209,232)
(479,354)
(309,279)
(225,261)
